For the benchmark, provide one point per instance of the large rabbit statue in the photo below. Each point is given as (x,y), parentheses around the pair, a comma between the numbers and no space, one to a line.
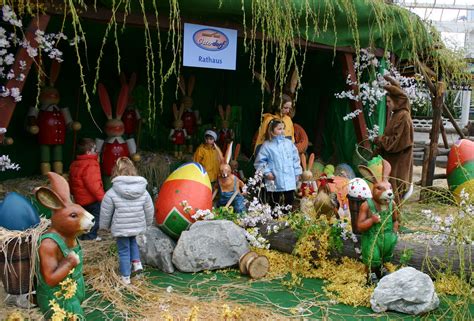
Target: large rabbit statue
(131,118)
(178,134)
(49,122)
(190,117)
(228,185)
(60,283)
(115,146)
(378,218)
(226,134)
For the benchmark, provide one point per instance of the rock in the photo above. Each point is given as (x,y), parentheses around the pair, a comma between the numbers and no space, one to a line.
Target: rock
(156,249)
(210,245)
(406,290)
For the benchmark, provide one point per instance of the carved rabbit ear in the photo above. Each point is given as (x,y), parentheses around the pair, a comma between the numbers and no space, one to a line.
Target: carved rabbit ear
(219,154)
(181,111)
(182,85)
(191,83)
(122,101)
(387,168)
(132,82)
(175,112)
(263,82)
(228,110)
(303,161)
(367,173)
(294,80)
(236,151)
(221,112)
(105,100)
(54,72)
(228,153)
(48,198)
(123,78)
(311,161)
(60,186)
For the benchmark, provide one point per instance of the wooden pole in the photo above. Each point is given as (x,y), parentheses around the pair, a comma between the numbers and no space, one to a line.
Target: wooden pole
(443,134)
(453,121)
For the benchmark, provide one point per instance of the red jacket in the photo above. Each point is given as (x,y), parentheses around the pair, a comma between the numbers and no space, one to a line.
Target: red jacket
(85,180)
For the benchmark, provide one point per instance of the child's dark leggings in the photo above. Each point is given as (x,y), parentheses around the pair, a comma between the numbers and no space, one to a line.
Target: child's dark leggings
(273,198)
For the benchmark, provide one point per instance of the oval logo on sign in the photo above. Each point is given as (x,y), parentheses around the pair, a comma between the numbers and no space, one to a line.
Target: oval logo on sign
(210,39)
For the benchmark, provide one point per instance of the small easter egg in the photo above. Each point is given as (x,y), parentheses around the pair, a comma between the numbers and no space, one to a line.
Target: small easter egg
(185,191)
(358,188)
(17,213)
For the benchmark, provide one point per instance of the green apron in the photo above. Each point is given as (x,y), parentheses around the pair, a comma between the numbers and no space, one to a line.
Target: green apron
(379,241)
(45,293)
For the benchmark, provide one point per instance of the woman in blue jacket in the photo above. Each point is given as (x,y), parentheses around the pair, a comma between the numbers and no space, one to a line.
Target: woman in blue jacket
(279,161)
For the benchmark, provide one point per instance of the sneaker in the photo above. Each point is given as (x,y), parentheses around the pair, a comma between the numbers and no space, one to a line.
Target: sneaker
(137,267)
(125,280)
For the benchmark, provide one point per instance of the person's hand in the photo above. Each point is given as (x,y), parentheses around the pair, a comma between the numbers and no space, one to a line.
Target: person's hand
(270,176)
(377,140)
(375,219)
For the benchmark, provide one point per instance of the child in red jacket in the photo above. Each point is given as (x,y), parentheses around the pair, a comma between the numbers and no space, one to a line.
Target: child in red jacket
(86,182)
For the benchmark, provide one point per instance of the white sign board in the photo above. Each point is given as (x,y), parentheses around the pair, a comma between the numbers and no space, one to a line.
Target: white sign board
(209,47)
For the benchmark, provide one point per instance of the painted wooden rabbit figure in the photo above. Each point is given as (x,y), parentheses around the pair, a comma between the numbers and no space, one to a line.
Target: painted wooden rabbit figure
(60,283)
(49,122)
(228,185)
(190,117)
(131,118)
(234,164)
(178,134)
(226,134)
(115,146)
(378,218)
(307,186)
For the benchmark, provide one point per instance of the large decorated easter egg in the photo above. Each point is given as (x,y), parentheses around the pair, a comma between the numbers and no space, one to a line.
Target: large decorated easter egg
(460,169)
(17,213)
(185,191)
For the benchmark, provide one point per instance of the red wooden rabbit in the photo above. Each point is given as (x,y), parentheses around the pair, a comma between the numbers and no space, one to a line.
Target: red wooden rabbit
(60,283)
(131,117)
(226,134)
(190,117)
(178,134)
(115,146)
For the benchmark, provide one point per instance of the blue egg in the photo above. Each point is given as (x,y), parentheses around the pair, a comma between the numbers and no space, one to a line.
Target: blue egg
(17,213)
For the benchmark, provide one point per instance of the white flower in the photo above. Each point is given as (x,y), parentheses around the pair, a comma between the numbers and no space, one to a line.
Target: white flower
(169,289)
(5,164)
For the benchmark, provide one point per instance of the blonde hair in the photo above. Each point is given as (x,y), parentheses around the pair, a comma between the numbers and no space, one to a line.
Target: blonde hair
(124,167)
(271,126)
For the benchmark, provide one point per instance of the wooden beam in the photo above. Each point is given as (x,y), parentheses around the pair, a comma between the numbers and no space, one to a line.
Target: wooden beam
(360,125)
(453,121)
(443,134)
(7,104)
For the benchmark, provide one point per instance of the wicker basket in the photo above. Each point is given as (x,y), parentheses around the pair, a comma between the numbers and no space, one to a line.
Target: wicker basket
(15,271)
(361,155)
(354,206)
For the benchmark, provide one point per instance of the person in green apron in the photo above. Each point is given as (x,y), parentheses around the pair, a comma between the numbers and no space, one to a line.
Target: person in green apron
(65,298)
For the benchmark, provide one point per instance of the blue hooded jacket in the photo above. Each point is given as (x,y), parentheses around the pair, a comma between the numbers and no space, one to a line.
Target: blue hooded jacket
(280,157)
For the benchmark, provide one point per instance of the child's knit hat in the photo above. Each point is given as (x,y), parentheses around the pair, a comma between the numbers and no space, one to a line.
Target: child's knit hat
(211,133)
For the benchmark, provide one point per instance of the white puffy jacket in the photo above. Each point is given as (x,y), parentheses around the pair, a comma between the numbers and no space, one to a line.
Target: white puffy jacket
(127,208)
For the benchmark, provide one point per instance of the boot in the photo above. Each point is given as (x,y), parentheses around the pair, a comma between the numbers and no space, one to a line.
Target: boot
(45,168)
(58,167)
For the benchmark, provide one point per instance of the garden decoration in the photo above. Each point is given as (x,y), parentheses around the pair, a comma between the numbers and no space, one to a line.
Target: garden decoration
(49,122)
(234,164)
(131,118)
(190,117)
(225,134)
(17,212)
(228,185)
(460,169)
(184,192)
(178,134)
(256,266)
(115,146)
(377,219)
(307,187)
(60,284)
(325,202)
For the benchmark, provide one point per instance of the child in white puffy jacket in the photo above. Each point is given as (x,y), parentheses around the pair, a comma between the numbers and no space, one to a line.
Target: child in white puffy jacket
(127,210)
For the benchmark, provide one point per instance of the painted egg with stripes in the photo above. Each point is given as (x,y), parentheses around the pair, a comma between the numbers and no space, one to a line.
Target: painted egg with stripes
(460,169)
(186,190)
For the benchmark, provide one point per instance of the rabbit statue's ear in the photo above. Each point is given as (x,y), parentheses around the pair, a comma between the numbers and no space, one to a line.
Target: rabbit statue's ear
(182,85)
(60,186)
(49,199)
(236,151)
(228,153)
(123,78)
(311,161)
(105,100)
(122,101)
(294,80)
(181,111)
(367,173)
(221,111)
(132,82)
(54,72)
(219,154)
(191,83)
(387,168)
(228,110)
(175,112)
(303,161)
(263,82)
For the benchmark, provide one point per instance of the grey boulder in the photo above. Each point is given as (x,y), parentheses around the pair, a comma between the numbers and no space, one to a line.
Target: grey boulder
(156,249)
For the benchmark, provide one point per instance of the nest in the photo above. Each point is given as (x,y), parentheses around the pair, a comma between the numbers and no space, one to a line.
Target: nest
(23,186)
(155,167)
